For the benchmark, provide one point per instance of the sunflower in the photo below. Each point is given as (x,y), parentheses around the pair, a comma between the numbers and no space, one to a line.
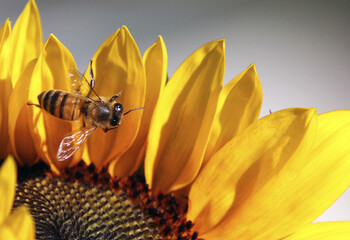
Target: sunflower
(18,219)
(210,169)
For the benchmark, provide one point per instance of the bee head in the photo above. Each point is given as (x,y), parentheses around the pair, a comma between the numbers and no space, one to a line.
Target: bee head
(118,110)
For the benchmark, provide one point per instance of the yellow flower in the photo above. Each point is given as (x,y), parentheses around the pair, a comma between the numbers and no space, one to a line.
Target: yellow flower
(155,64)
(19,224)
(5,88)
(25,45)
(280,174)
(184,131)
(272,170)
(244,178)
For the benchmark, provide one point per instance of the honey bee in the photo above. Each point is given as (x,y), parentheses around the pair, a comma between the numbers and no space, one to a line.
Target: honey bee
(96,111)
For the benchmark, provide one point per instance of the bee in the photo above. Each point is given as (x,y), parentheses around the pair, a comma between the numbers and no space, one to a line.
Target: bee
(96,111)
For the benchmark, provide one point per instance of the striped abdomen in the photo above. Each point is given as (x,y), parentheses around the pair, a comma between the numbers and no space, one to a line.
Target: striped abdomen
(61,104)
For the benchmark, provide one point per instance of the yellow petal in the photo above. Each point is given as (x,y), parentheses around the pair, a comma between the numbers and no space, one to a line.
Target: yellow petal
(5,32)
(238,106)
(117,66)
(5,86)
(50,72)
(19,132)
(21,224)
(155,62)
(304,188)
(26,40)
(6,233)
(25,46)
(8,177)
(182,119)
(245,165)
(323,231)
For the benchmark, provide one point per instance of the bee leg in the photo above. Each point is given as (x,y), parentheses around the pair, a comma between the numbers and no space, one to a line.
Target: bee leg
(92,74)
(107,129)
(92,83)
(115,96)
(37,105)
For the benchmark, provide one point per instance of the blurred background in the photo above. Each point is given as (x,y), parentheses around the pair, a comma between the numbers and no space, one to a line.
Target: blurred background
(301,48)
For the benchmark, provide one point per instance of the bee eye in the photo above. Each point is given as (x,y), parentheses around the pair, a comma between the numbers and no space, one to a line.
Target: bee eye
(114,122)
(117,114)
(118,108)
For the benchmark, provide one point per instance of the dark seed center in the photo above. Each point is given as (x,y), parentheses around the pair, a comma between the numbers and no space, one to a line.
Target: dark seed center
(86,204)
(67,209)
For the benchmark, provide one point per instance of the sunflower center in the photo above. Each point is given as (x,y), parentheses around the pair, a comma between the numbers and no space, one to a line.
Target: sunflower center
(85,204)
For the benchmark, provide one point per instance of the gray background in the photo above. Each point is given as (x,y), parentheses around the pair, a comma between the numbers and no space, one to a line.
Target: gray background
(301,48)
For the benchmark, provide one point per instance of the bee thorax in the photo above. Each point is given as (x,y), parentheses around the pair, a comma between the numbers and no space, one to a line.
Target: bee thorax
(101,113)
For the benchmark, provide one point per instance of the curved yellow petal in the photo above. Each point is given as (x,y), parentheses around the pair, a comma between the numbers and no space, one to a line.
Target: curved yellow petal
(155,61)
(19,132)
(238,106)
(26,40)
(117,66)
(245,165)
(50,72)
(8,177)
(6,233)
(5,33)
(26,44)
(304,188)
(182,119)
(323,231)
(5,86)
(21,224)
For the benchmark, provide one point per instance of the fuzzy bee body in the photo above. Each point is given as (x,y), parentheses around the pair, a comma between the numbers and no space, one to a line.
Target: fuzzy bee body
(62,104)
(94,110)
(103,112)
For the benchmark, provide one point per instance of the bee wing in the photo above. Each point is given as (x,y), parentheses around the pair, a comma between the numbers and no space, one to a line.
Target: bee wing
(72,142)
(80,85)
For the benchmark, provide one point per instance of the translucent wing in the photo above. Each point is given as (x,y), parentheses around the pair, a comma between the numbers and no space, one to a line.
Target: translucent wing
(72,142)
(80,85)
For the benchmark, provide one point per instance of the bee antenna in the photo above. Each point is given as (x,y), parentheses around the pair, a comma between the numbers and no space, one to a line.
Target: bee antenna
(133,110)
(92,83)
(115,96)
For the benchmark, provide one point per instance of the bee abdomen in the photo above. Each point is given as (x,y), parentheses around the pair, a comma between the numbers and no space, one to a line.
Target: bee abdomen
(61,104)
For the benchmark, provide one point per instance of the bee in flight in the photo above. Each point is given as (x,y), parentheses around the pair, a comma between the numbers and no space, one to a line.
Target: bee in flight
(96,111)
